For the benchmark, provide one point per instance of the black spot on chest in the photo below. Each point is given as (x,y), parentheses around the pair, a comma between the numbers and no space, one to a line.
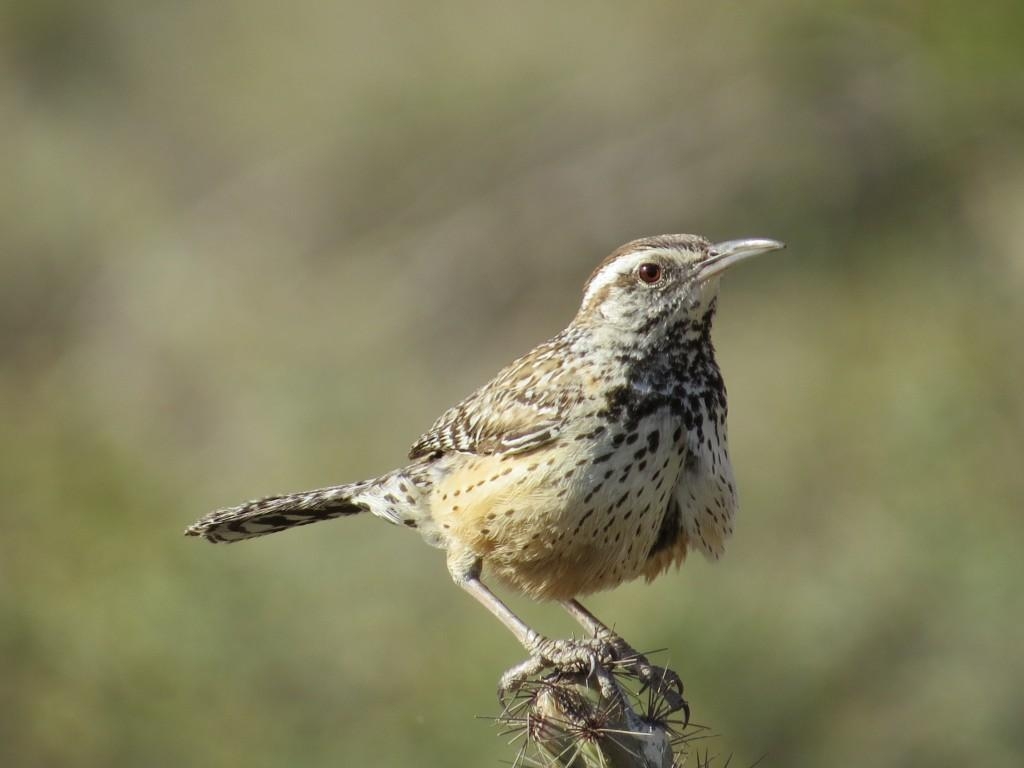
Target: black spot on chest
(669,531)
(690,462)
(679,376)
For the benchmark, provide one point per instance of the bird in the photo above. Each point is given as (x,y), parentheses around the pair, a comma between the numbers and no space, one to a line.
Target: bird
(598,457)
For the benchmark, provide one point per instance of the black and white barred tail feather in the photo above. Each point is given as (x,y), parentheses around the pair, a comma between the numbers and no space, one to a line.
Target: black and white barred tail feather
(276,513)
(394,497)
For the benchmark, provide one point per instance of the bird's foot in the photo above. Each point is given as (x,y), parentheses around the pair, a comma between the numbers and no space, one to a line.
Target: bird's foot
(579,658)
(661,680)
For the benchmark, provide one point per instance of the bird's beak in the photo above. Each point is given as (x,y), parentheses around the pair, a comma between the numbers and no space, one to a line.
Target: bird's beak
(721,256)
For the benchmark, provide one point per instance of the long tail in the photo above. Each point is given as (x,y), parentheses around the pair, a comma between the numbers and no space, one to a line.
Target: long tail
(395,496)
(276,513)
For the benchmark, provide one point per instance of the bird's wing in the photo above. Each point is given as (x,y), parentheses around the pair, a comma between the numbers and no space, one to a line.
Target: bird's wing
(523,408)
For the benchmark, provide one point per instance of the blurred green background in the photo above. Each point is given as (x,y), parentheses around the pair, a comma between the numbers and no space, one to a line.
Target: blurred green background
(249,247)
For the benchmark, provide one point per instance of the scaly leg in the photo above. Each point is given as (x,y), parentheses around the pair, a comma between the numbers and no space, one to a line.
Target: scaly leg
(565,656)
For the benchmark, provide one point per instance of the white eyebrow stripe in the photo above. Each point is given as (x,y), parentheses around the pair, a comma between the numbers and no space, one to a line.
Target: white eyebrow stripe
(623,265)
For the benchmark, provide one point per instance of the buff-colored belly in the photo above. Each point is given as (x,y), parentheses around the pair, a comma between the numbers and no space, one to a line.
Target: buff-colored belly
(562,521)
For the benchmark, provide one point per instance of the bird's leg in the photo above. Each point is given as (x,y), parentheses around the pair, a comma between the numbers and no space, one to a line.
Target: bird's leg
(564,656)
(589,621)
(661,679)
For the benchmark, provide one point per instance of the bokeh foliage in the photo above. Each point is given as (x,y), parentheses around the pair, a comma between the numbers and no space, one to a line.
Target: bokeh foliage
(250,247)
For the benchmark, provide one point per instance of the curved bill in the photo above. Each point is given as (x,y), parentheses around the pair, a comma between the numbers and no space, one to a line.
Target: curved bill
(721,256)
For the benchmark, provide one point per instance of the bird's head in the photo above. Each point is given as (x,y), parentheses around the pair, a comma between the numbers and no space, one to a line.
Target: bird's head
(647,286)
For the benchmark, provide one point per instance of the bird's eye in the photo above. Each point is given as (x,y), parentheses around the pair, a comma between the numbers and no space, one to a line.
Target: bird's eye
(650,273)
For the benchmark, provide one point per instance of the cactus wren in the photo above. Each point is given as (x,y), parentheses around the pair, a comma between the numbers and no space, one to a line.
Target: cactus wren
(598,457)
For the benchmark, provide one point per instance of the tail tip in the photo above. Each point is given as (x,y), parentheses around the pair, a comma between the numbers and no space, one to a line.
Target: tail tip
(201,531)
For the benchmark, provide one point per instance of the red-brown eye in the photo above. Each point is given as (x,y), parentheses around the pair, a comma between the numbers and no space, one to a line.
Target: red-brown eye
(650,273)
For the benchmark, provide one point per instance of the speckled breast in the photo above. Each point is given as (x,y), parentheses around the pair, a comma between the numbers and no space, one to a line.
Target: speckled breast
(574,517)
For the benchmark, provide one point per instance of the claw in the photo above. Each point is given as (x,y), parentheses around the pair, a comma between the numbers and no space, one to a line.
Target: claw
(662,680)
(588,659)
(514,678)
(564,657)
